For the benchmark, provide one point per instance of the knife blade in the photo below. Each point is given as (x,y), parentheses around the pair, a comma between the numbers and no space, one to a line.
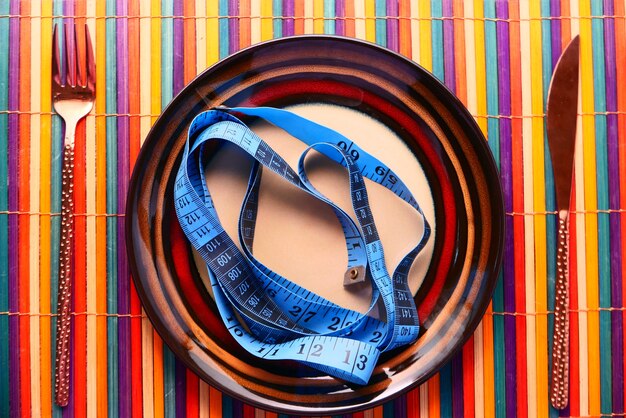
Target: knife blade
(561,117)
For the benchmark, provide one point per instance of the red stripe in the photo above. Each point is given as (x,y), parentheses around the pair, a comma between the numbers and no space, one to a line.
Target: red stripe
(412,403)
(193,395)
(468,378)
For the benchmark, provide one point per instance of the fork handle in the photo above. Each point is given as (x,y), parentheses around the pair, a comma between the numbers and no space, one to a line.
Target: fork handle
(62,374)
(560,345)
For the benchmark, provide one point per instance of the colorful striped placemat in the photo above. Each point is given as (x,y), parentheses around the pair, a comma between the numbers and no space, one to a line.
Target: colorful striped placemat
(497,56)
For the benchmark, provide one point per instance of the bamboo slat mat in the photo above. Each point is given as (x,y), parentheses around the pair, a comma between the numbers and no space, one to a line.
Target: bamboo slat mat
(497,56)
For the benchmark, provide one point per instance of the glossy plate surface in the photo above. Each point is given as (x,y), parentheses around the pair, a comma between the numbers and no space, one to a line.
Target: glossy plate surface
(437,130)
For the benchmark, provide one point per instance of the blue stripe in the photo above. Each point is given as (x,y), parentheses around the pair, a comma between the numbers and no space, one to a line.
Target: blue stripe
(381,23)
(329,14)
(436,11)
(222,10)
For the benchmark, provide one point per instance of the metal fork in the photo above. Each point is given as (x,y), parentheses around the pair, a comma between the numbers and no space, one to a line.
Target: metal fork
(73,95)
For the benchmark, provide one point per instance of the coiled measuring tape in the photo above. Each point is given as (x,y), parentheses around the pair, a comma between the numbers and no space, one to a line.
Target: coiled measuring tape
(267,314)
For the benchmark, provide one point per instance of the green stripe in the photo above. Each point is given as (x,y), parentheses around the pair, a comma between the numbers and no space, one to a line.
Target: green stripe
(167,88)
(381,23)
(56,163)
(445,390)
(111,203)
(329,14)
(277,10)
(604,267)
(223,28)
(436,11)
(4,206)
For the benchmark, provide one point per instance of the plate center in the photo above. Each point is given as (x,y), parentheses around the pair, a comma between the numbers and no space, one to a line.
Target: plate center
(298,236)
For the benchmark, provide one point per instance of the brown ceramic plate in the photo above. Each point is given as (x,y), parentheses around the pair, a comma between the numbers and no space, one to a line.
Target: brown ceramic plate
(437,131)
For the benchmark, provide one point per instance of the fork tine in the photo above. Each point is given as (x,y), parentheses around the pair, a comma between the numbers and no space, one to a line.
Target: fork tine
(70,52)
(56,58)
(91,64)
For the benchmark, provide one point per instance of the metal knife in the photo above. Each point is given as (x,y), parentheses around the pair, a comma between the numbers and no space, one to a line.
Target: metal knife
(561,129)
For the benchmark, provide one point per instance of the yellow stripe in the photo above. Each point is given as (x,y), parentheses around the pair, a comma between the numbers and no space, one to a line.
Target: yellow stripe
(424,400)
(318,15)
(267,31)
(44,205)
(155,83)
(35,173)
(201,41)
(101,244)
(481,110)
(308,16)
(203,400)
(359,16)
(426,49)
(481,86)
(212,32)
(541,298)
(370,22)
(255,22)
(529,225)
(415,32)
(591,218)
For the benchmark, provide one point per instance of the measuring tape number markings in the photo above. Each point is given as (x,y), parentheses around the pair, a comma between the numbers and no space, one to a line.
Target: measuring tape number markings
(267,314)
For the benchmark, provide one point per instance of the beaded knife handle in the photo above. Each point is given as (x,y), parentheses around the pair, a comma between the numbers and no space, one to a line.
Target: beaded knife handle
(62,377)
(560,347)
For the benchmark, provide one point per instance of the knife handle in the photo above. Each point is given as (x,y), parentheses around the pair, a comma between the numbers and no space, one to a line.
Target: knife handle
(559,387)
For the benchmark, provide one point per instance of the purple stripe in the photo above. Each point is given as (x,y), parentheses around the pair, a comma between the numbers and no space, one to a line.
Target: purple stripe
(13,253)
(288,11)
(181,384)
(233,26)
(179,46)
(555,28)
(457,385)
(392,26)
(340,13)
(123,275)
(448,46)
(617,332)
(237,410)
(399,406)
(504,101)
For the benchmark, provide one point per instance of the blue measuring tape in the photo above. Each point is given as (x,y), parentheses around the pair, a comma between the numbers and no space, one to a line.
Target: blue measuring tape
(267,314)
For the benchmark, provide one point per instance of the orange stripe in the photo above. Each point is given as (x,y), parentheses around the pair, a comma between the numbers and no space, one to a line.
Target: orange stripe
(158,376)
(244,23)
(404,12)
(101,243)
(434,401)
(518,205)
(459,50)
(350,23)
(298,11)
(23,204)
(215,403)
